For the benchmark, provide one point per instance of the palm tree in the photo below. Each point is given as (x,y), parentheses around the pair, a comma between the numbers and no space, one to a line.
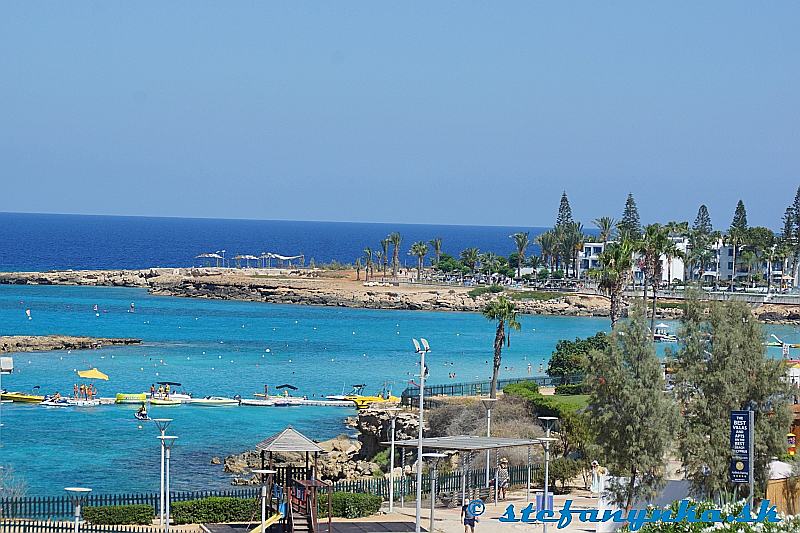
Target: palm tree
(395,239)
(655,241)
(607,227)
(671,251)
(379,258)
(367,263)
(436,244)
(358,269)
(419,249)
(521,240)
(470,258)
(490,263)
(385,254)
(547,242)
(504,312)
(616,262)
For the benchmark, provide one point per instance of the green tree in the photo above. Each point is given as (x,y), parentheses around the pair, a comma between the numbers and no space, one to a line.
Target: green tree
(616,262)
(631,416)
(521,241)
(436,244)
(470,258)
(395,239)
(564,212)
(358,268)
(367,263)
(607,227)
(721,365)
(655,243)
(736,234)
(571,358)
(630,226)
(702,222)
(420,250)
(796,243)
(385,254)
(547,242)
(504,312)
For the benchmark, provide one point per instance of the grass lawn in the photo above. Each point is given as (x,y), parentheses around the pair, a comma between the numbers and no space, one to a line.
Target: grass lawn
(573,402)
(534,295)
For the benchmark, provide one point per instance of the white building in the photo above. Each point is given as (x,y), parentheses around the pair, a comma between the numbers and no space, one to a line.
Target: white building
(673,268)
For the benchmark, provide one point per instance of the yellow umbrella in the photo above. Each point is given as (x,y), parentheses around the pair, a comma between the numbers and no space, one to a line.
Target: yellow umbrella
(92,374)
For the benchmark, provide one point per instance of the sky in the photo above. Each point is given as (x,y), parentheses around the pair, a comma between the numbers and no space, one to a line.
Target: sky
(435,112)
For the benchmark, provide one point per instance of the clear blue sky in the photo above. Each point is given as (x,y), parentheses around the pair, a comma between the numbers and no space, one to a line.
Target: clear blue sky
(442,112)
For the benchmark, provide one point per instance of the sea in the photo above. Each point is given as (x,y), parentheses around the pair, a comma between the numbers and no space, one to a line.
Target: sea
(215,347)
(51,242)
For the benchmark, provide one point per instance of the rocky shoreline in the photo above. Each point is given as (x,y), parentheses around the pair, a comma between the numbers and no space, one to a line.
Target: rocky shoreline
(343,458)
(335,289)
(47,343)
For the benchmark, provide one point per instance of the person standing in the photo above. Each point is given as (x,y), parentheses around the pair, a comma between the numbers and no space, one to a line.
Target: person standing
(468,517)
(599,474)
(502,478)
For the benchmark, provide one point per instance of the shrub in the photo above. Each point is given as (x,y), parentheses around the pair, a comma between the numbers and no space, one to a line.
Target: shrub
(478,291)
(214,510)
(350,504)
(116,515)
(569,390)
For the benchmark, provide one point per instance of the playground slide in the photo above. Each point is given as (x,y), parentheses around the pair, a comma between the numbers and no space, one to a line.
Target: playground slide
(270,521)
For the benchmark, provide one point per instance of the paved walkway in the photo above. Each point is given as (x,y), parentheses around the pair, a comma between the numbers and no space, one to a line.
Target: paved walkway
(449,521)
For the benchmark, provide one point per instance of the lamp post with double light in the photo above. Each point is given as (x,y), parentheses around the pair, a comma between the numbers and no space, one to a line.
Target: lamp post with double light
(162,424)
(167,441)
(421,348)
(393,411)
(77,495)
(434,478)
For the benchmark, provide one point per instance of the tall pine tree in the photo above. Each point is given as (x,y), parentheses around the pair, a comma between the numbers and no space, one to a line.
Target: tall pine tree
(564,212)
(632,417)
(737,234)
(796,244)
(702,222)
(721,365)
(630,226)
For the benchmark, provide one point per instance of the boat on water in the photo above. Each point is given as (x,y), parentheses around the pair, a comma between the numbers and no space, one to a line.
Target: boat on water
(55,402)
(661,333)
(22,397)
(213,401)
(363,401)
(164,401)
(130,398)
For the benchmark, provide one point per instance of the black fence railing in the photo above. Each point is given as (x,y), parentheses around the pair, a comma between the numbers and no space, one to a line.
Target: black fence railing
(410,396)
(28,526)
(61,507)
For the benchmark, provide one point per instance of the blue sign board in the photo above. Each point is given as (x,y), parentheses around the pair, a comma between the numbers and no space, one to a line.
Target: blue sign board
(741,446)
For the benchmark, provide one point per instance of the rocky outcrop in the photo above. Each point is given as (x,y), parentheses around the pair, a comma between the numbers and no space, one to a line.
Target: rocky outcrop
(315,288)
(375,426)
(342,459)
(46,343)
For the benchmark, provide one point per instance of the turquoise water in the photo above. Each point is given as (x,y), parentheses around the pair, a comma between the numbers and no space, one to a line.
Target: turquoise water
(220,347)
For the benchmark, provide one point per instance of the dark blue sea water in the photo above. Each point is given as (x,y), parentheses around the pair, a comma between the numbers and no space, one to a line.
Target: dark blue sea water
(47,242)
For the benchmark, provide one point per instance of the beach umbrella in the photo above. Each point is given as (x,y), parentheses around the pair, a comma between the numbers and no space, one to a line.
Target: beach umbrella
(92,374)
(662,326)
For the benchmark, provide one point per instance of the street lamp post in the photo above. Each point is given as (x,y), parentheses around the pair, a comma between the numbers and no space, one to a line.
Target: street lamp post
(421,350)
(434,479)
(167,441)
(162,424)
(393,414)
(264,478)
(77,495)
(487,404)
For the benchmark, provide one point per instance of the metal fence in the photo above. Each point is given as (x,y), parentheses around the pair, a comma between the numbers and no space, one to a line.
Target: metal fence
(26,526)
(61,507)
(410,395)
(58,507)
